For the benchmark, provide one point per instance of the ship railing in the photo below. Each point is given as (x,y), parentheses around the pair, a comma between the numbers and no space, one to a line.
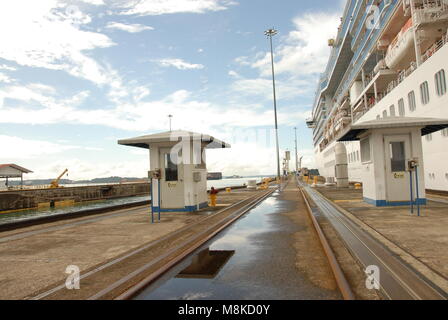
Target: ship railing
(429,11)
(364,48)
(435,47)
(402,75)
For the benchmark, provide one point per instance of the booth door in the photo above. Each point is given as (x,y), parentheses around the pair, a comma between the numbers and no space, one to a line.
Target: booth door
(172,182)
(397,151)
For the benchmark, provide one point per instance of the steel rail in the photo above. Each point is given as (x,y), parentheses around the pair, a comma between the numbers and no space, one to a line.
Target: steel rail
(187,248)
(398,279)
(341,280)
(136,251)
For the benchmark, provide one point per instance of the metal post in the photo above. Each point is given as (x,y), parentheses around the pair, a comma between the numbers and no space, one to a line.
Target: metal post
(170,117)
(297,154)
(152,201)
(159,196)
(412,192)
(417,191)
(270,33)
(418,53)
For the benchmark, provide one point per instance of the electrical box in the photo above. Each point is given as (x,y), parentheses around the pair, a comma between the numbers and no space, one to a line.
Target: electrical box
(155,174)
(197,177)
(412,164)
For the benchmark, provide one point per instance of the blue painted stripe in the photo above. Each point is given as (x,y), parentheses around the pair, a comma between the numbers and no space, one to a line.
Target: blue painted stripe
(384,203)
(185,209)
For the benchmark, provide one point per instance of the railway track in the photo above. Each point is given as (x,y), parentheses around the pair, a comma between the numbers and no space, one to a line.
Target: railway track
(339,276)
(132,272)
(398,281)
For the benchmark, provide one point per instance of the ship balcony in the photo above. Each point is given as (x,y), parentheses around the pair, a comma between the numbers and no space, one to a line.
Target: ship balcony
(428,13)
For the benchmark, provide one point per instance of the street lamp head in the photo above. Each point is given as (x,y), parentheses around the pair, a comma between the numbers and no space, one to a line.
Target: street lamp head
(271,32)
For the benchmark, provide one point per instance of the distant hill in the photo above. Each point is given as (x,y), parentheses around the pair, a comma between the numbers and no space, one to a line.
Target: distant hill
(67,181)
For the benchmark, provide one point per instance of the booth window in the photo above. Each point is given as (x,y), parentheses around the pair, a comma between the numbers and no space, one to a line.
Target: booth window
(398,159)
(171,169)
(198,158)
(365,150)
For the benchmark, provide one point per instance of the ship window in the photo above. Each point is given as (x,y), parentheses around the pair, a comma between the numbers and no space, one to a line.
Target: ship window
(385,114)
(171,170)
(411,98)
(365,150)
(424,92)
(357,155)
(397,157)
(378,117)
(445,132)
(440,83)
(429,137)
(401,110)
(392,110)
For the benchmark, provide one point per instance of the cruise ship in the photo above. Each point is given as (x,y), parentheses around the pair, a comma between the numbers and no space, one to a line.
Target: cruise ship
(389,59)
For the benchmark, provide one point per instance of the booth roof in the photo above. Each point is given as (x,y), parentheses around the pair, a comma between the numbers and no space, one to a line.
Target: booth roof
(173,136)
(14,166)
(428,125)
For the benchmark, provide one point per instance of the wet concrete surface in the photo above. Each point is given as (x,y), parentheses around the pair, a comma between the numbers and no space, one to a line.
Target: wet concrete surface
(263,263)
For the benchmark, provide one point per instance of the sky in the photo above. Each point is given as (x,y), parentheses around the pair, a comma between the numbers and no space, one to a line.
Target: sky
(76,76)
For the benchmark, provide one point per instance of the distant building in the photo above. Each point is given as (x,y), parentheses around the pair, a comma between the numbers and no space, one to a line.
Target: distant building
(214,176)
(8,171)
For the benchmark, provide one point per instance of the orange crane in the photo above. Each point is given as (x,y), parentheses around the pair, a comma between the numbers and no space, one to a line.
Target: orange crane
(55,183)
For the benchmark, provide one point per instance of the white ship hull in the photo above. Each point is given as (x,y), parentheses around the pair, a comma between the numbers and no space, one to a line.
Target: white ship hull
(435,150)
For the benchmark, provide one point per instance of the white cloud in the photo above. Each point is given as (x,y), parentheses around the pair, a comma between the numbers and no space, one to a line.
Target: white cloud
(262,87)
(84,170)
(19,148)
(304,51)
(94,2)
(7,68)
(233,74)
(37,104)
(47,34)
(179,64)
(131,28)
(159,7)
(5,79)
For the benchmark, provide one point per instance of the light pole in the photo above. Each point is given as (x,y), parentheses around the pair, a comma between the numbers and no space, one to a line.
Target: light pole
(270,33)
(170,116)
(297,155)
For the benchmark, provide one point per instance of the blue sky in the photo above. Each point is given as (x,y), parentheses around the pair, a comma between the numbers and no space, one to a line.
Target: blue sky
(76,76)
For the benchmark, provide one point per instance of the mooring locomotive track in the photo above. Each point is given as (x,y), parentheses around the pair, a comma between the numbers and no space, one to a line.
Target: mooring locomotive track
(397,279)
(123,276)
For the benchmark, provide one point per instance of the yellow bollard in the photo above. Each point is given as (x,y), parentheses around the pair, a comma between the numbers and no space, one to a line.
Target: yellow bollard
(228,190)
(358,186)
(213,200)
(316,180)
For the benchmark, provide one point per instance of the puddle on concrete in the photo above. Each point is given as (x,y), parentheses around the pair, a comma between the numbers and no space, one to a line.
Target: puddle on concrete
(252,259)
(206,264)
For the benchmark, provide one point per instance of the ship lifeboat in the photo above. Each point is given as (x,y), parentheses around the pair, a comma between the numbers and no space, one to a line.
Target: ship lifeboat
(341,120)
(400,46)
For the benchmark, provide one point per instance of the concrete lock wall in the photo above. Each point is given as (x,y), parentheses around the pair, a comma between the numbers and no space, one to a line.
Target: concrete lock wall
(24,199)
